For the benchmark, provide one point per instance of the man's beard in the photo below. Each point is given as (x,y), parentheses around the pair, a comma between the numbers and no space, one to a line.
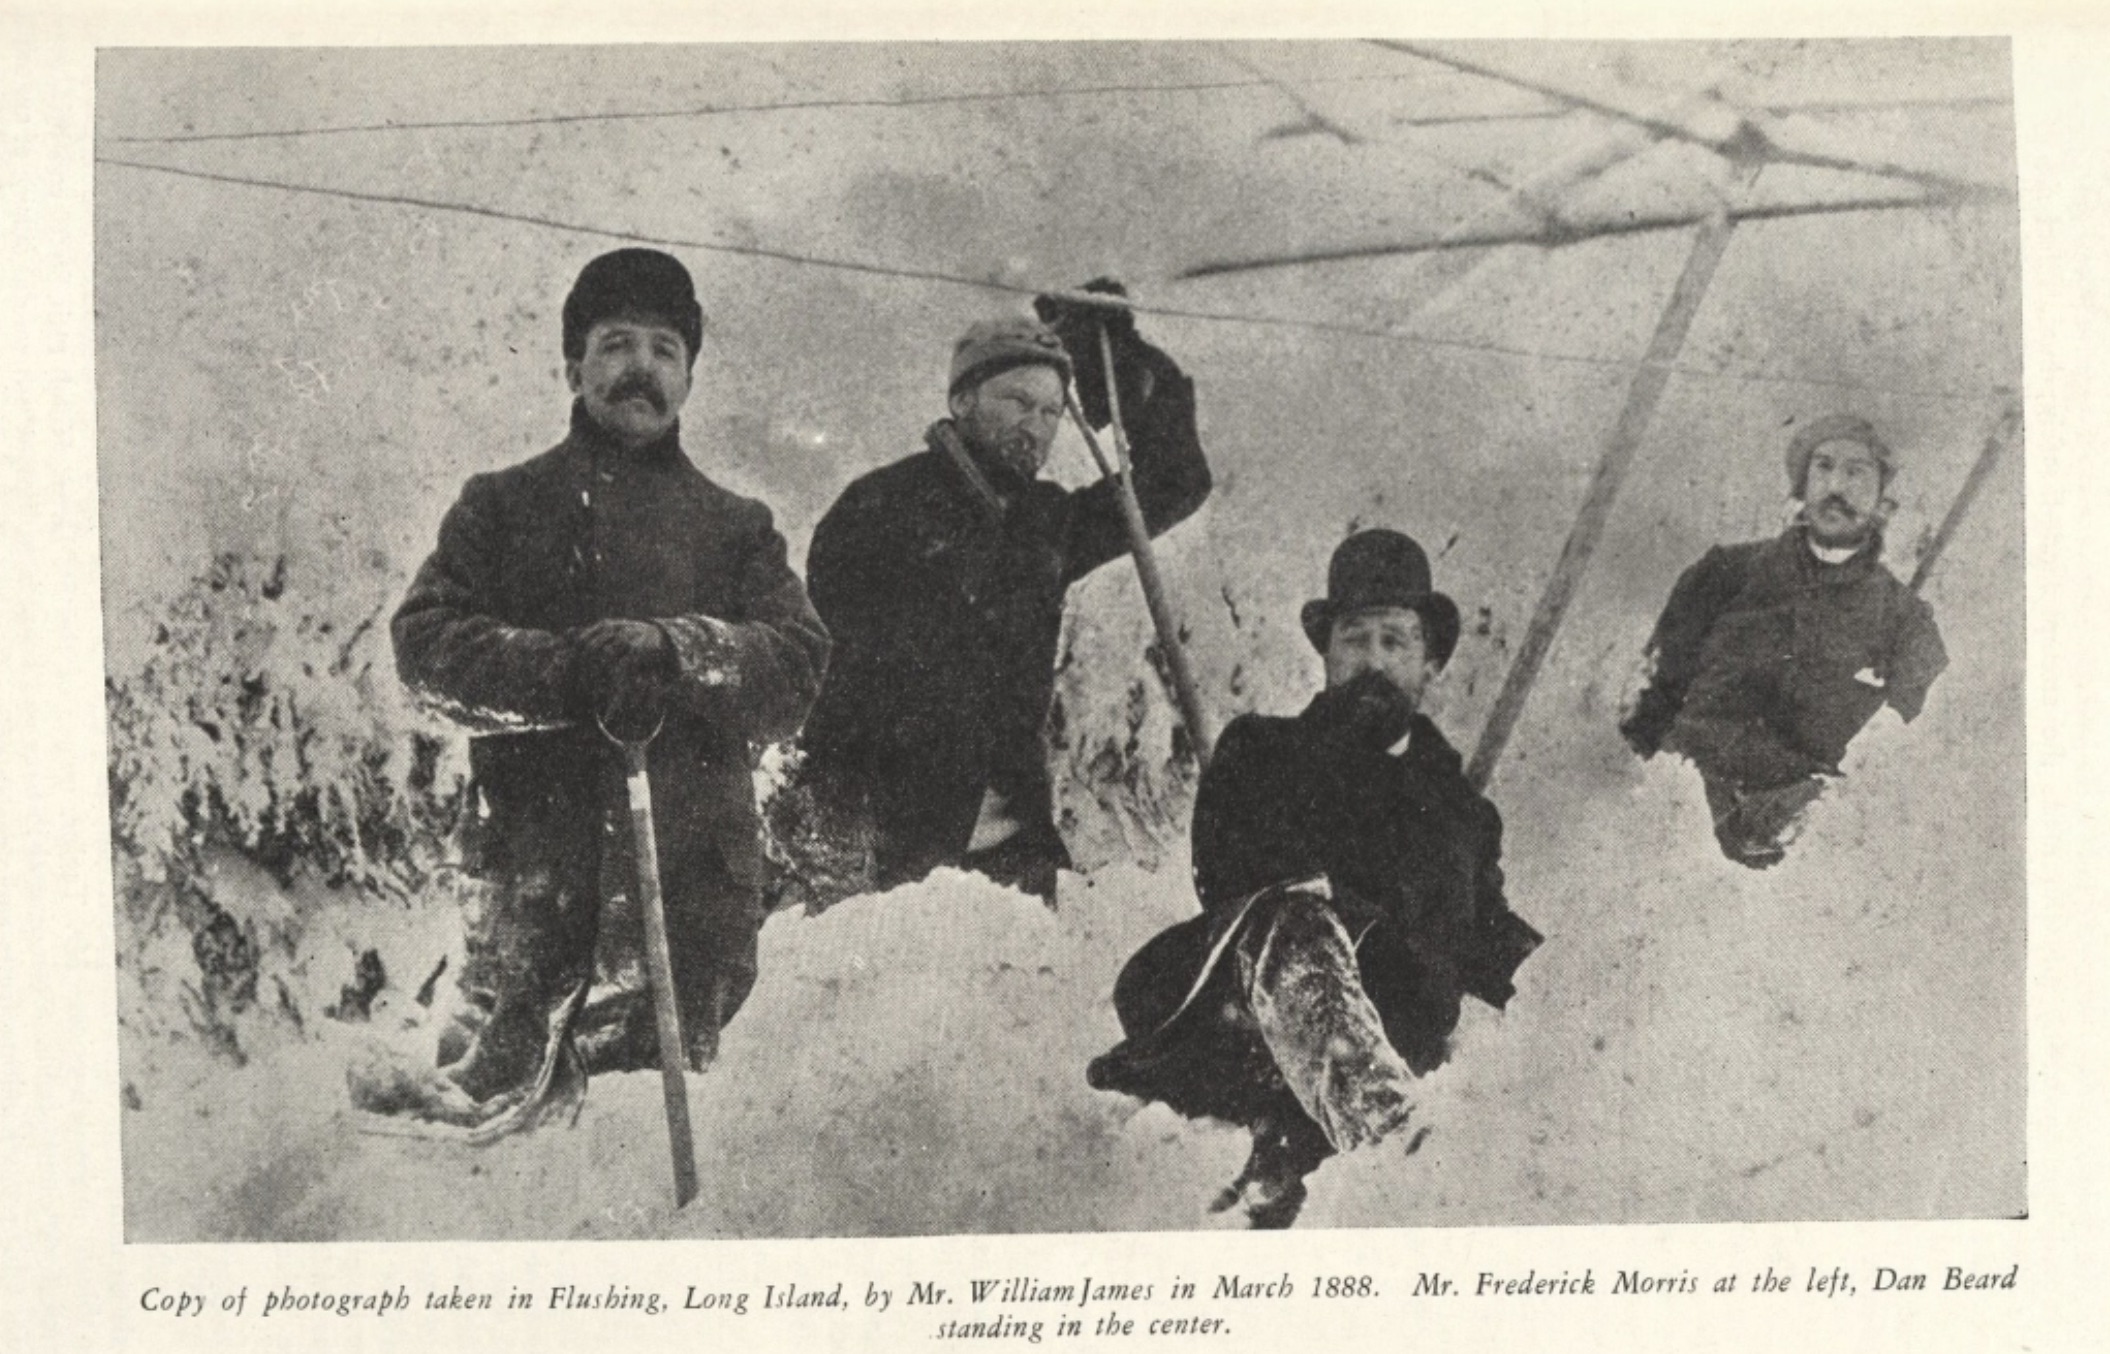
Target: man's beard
(1368,710)
(1014,451)
(1020,455)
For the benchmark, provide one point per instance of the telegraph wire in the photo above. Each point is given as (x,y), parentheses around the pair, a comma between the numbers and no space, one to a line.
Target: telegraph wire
(804,105)
(1011,288)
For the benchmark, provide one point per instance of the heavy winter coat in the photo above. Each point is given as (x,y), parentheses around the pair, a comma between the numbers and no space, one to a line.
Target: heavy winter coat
(1413,857)
(946,610)
(591,530)
(1767,661)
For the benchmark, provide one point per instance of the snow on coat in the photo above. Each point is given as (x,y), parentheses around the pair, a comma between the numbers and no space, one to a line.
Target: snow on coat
(946,613)
(1412,856)
(590,530)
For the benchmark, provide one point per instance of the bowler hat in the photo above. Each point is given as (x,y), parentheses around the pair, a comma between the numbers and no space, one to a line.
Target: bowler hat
(1383,568)
(992,346)
(632,282)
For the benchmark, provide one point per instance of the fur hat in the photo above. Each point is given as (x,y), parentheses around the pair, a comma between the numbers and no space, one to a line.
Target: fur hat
(1381,568)
(992,346)
(632,282)
(1834,428)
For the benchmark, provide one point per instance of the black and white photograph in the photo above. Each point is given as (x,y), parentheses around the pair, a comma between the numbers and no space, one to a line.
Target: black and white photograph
(937,639)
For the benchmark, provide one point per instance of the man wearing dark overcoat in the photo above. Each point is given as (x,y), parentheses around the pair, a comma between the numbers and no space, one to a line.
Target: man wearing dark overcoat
(1771,655)
(1352,894)
(942,577)
(608,584)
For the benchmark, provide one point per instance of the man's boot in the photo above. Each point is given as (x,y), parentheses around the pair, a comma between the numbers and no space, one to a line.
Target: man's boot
(1271,1184)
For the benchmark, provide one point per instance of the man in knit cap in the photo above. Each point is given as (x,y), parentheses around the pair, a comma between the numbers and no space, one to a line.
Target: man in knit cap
(1352,896)
(942,579)
(607,581)
(1771,655)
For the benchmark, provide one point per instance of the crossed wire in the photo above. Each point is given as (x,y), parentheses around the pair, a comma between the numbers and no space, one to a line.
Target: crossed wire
(1549,233)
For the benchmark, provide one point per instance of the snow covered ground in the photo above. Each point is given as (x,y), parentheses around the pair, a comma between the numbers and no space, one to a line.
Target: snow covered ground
(1694,1042)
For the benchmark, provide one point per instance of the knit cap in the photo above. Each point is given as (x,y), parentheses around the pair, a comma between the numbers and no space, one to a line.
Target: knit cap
(992,346)
(1834,428)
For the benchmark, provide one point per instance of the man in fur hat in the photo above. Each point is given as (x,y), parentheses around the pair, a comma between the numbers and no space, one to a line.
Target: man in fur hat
(1771,655)
(942,579)
(1351,890)
(608,582)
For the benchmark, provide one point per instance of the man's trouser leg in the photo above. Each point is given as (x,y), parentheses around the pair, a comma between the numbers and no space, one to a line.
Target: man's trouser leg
(713,920)
(539,948)
(922,816)
(1306,994)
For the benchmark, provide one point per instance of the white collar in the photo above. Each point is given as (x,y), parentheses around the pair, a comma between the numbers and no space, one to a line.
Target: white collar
(1399,749)
(1833,554)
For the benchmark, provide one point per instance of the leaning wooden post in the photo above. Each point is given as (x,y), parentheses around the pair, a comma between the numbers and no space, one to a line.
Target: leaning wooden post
(1183,688)
(1641,397)
(1996,442)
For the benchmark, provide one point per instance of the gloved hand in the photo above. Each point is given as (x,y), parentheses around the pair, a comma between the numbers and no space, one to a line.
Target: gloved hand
(1366,712)
(1644,726)
(1139,366)
(625,672)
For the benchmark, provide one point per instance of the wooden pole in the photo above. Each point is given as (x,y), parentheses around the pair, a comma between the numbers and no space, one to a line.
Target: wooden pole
(1641,398)
(1183,688)
(659,964)
(1995,443)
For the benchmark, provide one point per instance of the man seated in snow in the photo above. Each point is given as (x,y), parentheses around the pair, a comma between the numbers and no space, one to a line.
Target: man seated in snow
(608,581)
(1351,887)
(1771,655)
(941,578)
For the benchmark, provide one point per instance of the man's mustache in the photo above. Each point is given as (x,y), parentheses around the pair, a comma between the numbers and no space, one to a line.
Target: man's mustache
(1852,513)
(642,386)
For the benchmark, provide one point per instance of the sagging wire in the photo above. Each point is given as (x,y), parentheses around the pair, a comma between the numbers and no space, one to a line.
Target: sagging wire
(932,275)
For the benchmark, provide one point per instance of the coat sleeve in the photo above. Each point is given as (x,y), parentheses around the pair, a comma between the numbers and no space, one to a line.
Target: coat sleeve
(1502,940)
(452,650)
(1917,658)
(1243,839)
(1171,472)
(754,672)
(1673,654)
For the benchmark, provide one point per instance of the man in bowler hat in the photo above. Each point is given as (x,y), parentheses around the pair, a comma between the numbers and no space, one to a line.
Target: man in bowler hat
(1351,889)
(609,582)
(1771,655)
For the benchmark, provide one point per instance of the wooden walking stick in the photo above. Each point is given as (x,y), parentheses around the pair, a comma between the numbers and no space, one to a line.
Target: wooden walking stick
(659,965)
(1117,470)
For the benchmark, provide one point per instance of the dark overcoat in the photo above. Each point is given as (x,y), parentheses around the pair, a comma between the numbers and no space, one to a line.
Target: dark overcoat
(1767,661)
(946,611)
(1413,856)
(590,530)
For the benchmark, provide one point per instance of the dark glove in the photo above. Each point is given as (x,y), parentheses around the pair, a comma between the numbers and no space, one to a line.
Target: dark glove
(1648,722)
(1367,712)
(625,672)
(1489,967)
(1139,366)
